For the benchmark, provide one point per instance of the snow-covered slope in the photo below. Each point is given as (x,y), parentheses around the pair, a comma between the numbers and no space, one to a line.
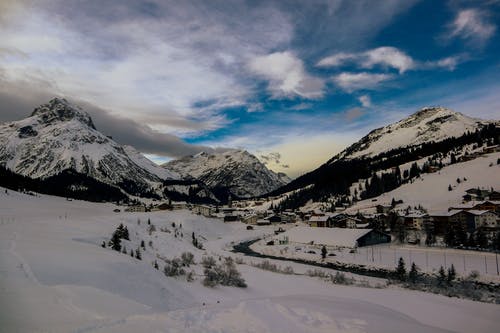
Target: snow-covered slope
(59,136)
(431,190)
(239,171)
(428,124)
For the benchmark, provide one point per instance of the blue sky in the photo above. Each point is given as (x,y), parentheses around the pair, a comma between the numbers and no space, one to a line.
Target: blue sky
(293,82)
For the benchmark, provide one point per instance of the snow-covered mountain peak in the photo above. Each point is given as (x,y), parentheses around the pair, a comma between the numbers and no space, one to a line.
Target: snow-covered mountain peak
(238,170)
(59,109)
(426,125)
(59,136)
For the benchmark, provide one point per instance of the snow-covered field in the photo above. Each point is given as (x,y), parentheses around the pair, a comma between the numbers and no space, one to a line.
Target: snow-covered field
(55,277)
(386,256)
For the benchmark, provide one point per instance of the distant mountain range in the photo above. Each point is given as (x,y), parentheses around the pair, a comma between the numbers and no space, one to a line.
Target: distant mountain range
(237,171)
(59,137)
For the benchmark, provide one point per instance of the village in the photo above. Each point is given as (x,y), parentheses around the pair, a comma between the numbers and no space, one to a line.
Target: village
(472,224)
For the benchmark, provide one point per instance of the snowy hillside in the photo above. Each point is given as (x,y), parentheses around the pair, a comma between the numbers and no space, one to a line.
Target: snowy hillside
(428,124)
(57,278)
(431,190)
(237,170)
(59,136)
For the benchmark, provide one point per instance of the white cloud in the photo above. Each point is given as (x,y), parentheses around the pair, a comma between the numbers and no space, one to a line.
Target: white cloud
(336,59)
(388,57)
(286,75)
(472,25)
(385,56)
(448,63)
(365,101)
(360,81)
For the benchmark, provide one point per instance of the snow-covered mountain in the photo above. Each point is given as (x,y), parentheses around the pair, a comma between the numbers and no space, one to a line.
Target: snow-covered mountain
(237,170)
(426,125)
(60,136)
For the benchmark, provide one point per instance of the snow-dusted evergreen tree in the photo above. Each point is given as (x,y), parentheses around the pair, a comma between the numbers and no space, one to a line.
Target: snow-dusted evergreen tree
(401,270)
(116,241)
(452,274)
(413,275)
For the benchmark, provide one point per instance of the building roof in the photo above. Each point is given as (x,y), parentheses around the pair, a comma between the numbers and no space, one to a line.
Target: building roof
(319,218)
(479,212)
(326,236)
(416,215)
(447,214)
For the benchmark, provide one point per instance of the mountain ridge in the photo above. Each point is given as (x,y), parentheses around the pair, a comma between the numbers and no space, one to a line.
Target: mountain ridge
(237,170)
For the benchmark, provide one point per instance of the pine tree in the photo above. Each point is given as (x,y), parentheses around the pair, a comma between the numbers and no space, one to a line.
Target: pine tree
(413,275)
(441,278)
(155,265)
(401,270)
(103,244)
(149,221)
(323,252)
(131,253)
(143,245)
(124,250)
(452,274)
(116,241)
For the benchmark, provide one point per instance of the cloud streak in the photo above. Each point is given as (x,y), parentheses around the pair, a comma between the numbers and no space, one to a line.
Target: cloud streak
(387,57)
(473,26)
(360,81)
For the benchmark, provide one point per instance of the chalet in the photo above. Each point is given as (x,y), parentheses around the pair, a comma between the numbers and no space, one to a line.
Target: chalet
(490,205)
(250,219)
(415,221)
(206,211)
(263,222)
(164,206)
(478,194)
(441,220)
(136,208)
(180,205)
(481,218)
(336,237)
(275,219)
(320,221)
(349,222)
(230,218)
(464,206)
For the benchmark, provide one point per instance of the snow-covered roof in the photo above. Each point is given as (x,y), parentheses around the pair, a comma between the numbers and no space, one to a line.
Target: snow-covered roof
(319,218)
(446,213)
(479,212)
(326,236)
(416,215)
